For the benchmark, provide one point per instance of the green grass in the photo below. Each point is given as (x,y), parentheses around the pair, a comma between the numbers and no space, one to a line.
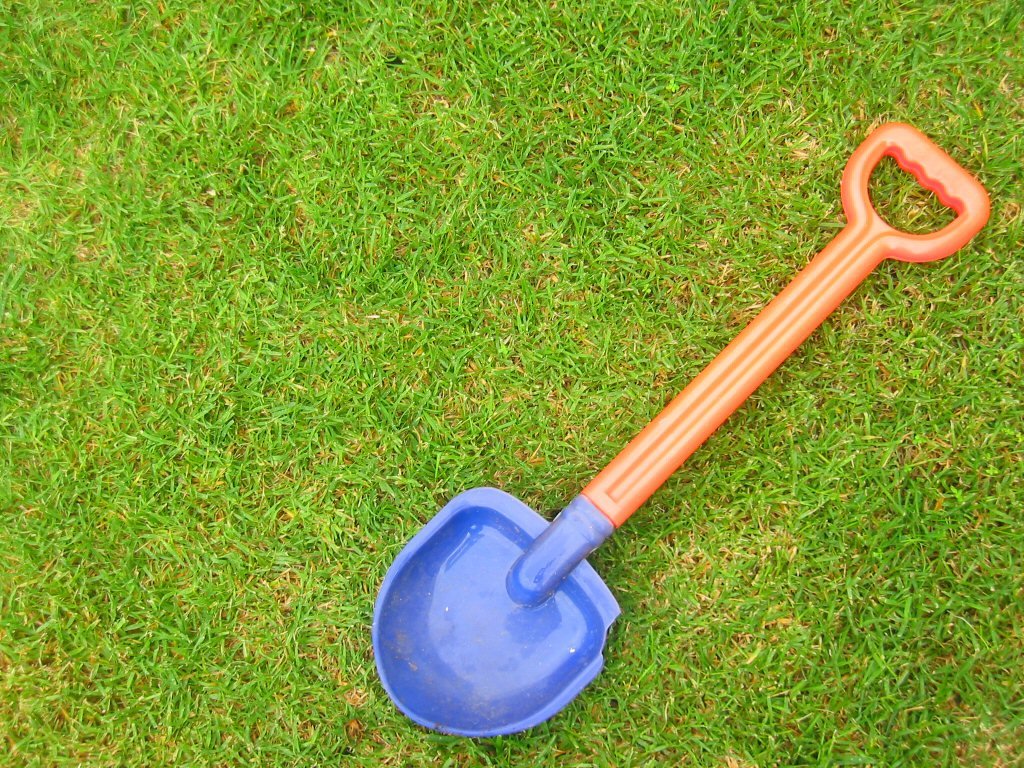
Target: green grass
(275,284)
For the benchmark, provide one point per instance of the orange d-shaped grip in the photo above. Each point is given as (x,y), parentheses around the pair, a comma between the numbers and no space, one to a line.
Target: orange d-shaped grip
(686,422)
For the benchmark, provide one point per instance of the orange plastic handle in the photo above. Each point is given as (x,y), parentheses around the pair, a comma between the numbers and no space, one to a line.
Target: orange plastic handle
(643,465)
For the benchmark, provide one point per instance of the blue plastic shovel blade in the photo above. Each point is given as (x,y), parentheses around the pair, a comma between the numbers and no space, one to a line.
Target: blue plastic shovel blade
(455,652)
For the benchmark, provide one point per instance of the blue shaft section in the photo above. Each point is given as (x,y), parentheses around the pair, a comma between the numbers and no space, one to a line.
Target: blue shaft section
(577,531)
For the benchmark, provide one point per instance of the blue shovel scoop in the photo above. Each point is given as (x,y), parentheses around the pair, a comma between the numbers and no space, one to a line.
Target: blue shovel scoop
(490,620)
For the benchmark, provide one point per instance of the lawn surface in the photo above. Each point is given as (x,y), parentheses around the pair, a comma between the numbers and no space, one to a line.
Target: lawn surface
(277,282)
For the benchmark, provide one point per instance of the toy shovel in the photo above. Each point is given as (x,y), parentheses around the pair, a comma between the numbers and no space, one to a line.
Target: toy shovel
(491,620)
